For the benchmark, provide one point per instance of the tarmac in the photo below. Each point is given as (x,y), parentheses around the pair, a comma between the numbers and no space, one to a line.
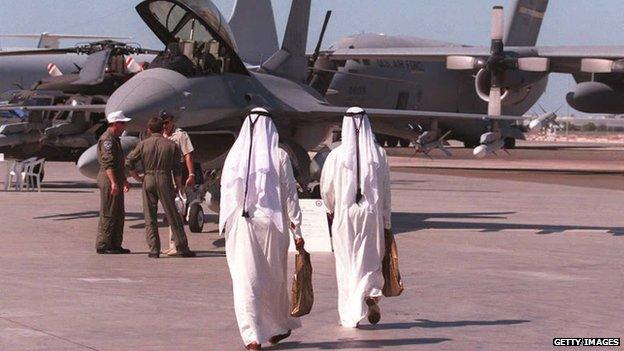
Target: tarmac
(491,259)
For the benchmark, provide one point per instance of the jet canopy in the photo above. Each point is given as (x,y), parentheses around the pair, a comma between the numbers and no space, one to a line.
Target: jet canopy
(194,29)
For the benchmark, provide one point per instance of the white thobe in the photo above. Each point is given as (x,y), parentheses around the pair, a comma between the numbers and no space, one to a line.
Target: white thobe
(358,236)
(257,255)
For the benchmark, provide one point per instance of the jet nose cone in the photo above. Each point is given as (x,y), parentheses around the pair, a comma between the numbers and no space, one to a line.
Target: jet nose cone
(88,163)
(146,95)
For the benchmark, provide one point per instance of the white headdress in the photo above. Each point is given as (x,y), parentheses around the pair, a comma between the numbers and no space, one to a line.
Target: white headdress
(250,178)
(360,156)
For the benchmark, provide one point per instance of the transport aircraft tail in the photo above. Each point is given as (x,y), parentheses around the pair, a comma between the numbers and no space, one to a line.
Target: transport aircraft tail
(526,22)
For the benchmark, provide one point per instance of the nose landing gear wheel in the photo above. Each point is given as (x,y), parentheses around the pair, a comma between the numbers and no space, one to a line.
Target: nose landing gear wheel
(196,218)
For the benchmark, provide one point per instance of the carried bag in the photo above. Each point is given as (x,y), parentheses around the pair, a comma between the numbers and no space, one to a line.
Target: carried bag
(302,293)
(393,286)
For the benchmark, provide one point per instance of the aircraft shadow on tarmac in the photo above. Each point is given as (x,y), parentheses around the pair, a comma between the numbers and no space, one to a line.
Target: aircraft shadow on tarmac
(358,344)
(404,222)
(219,242)
(448,190)
(130,217)
(67,187)
(428,324)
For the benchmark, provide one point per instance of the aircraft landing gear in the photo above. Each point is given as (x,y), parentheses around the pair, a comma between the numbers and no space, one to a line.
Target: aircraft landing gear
(196,196)
(381,139)
(196,218)
(404,142)
(393,142)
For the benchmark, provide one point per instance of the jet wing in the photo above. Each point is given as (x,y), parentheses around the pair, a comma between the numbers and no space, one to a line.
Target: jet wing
(333,112)
(410,53)
(563,59)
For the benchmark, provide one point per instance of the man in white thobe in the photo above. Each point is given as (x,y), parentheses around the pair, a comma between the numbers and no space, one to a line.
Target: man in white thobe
(259,206)
(355,187)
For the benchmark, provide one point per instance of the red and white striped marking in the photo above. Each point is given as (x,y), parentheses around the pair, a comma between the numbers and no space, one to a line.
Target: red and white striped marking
(53,70)
(132,65)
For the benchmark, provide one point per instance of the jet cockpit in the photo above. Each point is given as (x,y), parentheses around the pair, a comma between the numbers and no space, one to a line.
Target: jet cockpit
(198,39)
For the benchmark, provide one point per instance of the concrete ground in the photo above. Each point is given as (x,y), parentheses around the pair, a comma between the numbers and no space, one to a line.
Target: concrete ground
(491,260)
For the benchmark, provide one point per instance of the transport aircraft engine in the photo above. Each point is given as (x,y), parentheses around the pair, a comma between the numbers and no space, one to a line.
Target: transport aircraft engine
(596,97)
(483,84)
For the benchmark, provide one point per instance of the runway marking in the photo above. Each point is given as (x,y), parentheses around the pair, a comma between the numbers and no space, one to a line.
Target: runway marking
(101,280)
(21,333)
(18,313)
(548,276)
(40,331)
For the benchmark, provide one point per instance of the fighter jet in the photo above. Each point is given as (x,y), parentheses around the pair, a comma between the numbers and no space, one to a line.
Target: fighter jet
(202,79)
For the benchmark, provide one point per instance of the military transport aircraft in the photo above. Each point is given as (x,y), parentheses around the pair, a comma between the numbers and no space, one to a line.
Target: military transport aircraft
(509,76)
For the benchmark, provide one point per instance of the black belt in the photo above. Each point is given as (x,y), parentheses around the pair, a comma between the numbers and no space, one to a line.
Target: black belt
(358,194)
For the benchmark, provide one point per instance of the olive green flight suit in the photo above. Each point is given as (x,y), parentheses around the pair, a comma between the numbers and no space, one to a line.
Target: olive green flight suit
(160,158)
(112,211)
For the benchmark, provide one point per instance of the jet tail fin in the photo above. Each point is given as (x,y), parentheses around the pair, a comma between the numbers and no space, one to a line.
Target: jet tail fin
(253,25)
(526,22)
(291,61)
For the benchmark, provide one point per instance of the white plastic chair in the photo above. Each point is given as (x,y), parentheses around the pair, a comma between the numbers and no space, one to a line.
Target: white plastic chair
(31,176)
(14,175)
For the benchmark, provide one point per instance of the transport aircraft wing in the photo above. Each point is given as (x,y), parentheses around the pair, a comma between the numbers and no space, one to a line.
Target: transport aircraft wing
(557,59)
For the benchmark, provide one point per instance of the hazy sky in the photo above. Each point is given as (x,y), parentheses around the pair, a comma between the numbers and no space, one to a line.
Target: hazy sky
(567,22)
